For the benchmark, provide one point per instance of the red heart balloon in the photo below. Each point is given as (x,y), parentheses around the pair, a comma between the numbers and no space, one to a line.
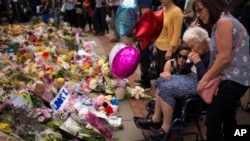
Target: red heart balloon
(159,16)
(148,28)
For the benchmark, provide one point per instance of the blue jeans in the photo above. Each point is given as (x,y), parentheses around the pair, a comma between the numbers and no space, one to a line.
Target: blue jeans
(56,16)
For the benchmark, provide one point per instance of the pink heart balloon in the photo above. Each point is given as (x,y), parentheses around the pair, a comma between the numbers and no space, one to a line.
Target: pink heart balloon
(125,62)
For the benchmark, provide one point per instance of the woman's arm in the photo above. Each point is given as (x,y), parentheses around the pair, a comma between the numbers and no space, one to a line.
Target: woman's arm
(223,33)
(166,74)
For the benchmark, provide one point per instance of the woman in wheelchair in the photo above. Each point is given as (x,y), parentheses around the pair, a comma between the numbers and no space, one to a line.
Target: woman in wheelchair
(178,80)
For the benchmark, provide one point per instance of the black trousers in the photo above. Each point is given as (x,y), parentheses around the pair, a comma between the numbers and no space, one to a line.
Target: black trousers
(160,58)
(144,65)
(222,110)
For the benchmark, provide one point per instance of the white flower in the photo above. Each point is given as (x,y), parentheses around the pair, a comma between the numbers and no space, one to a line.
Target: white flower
(93,83)
(51,20)
(137,92)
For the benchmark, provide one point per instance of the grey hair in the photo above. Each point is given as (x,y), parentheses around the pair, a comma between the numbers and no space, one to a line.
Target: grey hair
(196,34)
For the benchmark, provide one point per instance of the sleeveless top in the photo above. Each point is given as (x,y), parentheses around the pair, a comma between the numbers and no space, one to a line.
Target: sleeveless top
(238,69)
(176,70)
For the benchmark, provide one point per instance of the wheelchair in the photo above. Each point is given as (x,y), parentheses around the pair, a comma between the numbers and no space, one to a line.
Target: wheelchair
(188,107)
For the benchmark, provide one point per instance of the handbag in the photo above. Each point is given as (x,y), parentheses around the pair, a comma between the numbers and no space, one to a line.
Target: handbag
(153,71)
(211,88)
(79,10)
(63,8)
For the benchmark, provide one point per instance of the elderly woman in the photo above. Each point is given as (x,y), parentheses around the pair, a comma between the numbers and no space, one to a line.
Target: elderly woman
(171,85)
(233,65)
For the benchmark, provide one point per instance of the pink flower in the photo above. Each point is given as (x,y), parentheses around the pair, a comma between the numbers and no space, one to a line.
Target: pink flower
(41,118)
(47,114)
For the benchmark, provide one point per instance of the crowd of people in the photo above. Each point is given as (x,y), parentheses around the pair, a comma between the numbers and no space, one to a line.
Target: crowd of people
(217,32)
(95,14)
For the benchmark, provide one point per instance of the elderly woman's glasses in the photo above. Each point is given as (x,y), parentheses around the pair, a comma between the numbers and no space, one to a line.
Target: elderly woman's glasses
(185,57)
(199,10)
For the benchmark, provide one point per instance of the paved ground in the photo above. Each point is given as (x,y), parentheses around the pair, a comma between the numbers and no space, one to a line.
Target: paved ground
(131,107)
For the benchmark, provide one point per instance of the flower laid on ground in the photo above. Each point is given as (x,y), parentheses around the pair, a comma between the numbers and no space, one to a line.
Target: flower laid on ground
(36,63)
(138,92)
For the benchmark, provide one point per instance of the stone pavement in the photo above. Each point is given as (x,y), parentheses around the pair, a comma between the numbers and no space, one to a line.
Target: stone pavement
(128,108)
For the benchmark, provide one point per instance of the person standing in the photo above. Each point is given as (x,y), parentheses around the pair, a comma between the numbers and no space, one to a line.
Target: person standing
(114,6)
(170,36)
(80,14)
(89,12)
(69,15)
(144,82)
(240,9)
(233,66)
(99,16)
(189,14)
(33,5)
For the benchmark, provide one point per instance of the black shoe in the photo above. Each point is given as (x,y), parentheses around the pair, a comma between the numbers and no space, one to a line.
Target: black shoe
(96,33)
(147,124)
(115,40)
(158,134)
(101,34)
(138,81)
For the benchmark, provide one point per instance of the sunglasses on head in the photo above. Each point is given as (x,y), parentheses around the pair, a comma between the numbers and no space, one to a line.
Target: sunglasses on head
(185,57)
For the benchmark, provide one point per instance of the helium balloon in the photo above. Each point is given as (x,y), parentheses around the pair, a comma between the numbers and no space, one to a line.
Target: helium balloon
(125,62)
(114,51)
(159,15)
(149,28)
(126,17)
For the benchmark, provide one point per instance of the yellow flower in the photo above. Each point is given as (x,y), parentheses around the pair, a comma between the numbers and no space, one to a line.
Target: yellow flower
(5,127)
(86,66)
(73,66)
(64,58)
(23,95)
(101,61)
(71,53)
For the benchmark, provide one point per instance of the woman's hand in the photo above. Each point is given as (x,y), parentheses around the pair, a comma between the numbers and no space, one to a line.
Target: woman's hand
(166,75)
(168,55)
(155,51)
(202,83)
(194,57)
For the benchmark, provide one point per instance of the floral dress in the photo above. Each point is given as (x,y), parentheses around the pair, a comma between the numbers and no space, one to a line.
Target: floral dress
(183,82)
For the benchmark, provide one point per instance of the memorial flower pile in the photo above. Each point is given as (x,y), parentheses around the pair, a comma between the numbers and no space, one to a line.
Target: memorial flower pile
(50,79)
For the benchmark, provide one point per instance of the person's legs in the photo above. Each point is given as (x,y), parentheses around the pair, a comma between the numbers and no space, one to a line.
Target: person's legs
(156,120)
(96,21)
(116,35)
(222,110)
(144,66)
(89,20)
(57,16)
(103,23)
(160,58)
(168,111)
(157,116)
